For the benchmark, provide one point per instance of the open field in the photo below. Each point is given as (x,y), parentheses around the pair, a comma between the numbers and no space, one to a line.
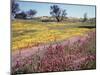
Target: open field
(60,46)
(27,34)
(58,37)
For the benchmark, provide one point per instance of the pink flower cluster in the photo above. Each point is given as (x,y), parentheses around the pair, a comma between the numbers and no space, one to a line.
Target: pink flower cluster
(78,55)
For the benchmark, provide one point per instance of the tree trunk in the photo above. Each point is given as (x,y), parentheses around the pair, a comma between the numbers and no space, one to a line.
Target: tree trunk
(58,20)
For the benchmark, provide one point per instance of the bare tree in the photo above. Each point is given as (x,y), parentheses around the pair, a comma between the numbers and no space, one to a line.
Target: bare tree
(85,17)
(57,12)
(63,14)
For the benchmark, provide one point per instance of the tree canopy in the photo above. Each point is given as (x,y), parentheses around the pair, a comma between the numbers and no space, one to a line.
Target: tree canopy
(57,12)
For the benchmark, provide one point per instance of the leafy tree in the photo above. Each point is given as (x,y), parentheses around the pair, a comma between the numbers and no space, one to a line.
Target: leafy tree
(21,15)
(31,12)
(57,12)
(85,17)
(14,7)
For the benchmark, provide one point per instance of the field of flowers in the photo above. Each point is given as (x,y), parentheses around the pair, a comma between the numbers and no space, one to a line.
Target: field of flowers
(28,34)
(60,46)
